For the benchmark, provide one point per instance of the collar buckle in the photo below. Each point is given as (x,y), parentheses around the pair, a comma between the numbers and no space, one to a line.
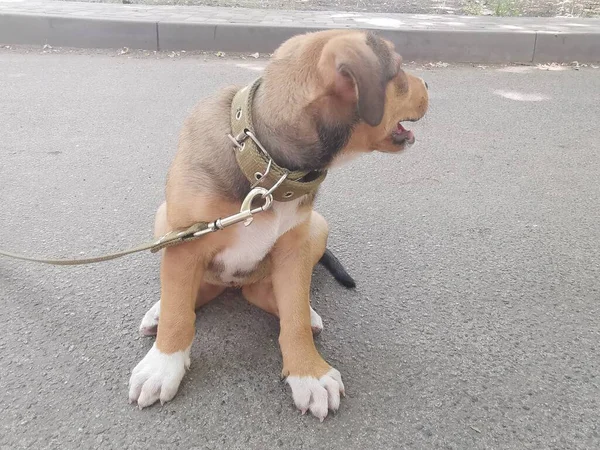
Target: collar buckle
(254,160)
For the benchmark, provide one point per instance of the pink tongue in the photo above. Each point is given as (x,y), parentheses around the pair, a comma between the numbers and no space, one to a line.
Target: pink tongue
(409,135)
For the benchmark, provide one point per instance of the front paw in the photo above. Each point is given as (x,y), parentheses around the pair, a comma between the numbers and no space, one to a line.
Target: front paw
(317,394)
(157,376)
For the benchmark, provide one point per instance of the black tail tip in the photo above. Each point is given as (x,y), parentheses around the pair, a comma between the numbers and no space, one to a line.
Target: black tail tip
(335,267)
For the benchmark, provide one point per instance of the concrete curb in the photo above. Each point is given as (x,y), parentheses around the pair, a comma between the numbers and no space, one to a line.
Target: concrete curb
(417,37)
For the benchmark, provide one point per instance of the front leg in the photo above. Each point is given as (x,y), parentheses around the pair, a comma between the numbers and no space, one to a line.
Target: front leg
(315,384)
(158,375)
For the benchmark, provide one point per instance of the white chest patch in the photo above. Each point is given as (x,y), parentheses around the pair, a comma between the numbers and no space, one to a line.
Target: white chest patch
(254,242)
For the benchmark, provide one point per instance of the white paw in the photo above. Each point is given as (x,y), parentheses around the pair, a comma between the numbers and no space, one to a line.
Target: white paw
(317,395)
(157,376)
(149,325)
(316,323)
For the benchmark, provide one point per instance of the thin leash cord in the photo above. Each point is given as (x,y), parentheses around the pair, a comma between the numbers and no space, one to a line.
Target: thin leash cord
(73,262)
(172,238)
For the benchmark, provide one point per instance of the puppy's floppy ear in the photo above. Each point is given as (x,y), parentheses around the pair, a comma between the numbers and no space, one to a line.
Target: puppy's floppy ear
(355,72)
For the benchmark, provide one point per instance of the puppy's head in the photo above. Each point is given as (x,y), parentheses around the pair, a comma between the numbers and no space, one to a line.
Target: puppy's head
(347,90)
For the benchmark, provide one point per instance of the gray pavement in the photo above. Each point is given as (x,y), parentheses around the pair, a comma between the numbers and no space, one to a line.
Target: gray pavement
(517,8)
(420,37)
(474,324)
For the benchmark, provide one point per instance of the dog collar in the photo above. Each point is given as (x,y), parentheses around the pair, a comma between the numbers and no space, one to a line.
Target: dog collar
(254,160)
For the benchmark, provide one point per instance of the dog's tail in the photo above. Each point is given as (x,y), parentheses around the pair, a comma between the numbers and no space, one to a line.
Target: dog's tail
(335,267)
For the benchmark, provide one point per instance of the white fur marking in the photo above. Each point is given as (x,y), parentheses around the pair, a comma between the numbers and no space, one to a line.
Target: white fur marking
(157,376)
(254,242)
(149,324)
(316,323)
(345,158)
(318,396)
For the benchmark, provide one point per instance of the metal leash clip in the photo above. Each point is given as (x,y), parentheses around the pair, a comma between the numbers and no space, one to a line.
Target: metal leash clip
(201,228)
(246,212)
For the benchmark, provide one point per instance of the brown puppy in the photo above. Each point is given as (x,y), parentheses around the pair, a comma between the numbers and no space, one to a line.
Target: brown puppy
(323,97)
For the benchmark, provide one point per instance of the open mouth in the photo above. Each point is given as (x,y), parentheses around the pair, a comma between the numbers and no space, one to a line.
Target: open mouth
(402,136)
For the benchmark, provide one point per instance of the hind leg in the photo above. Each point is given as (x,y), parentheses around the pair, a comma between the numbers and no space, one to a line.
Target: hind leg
(161,226)
(319,233)
(261,294)
(206,293)
(149,325)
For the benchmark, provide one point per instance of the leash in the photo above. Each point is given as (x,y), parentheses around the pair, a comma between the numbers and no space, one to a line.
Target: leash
(255,163)
(176,237)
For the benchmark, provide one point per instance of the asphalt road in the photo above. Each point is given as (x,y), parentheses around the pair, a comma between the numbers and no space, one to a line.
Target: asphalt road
(474,324)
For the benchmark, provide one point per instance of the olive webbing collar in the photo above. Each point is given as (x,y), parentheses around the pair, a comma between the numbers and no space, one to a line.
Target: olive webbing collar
(254,160)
